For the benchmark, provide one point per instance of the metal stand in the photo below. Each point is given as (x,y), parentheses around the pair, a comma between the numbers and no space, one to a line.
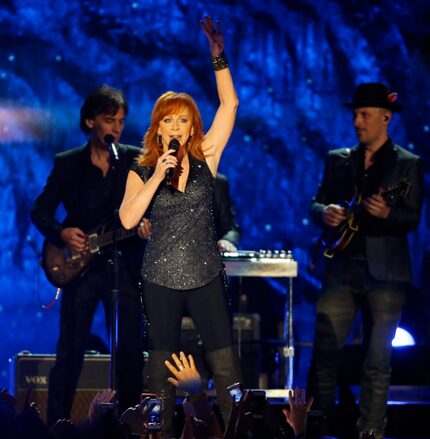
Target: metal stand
(288,350)
(115,287)
(268,264)
(114,317)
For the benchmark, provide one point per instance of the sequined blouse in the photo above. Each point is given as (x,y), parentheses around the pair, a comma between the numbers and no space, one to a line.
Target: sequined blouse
(182,251)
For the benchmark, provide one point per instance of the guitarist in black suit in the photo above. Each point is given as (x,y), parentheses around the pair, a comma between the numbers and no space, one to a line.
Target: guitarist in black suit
(371,272)
(89,181)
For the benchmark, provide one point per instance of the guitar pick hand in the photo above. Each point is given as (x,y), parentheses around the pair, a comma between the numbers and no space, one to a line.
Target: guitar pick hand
(333,215)
(74,238)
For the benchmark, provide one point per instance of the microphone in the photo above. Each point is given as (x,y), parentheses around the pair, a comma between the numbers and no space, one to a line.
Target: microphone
(173,144)
(109,140)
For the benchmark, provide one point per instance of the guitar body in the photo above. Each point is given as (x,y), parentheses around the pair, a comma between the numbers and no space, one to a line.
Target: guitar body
(334,240)
(62,265)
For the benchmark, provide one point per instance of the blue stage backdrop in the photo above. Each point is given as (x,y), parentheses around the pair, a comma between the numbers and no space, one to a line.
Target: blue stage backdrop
(294,62)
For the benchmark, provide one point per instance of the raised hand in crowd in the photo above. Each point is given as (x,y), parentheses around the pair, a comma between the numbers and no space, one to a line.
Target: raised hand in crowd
(299,407)
(103,397)
(7,401)
(200,420)
(186,376)
(63,428)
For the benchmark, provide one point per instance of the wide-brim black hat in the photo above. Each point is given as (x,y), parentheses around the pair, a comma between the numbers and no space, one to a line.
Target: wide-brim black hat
(374,94)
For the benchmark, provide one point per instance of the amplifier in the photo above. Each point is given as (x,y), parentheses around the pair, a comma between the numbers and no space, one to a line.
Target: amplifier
(29,380)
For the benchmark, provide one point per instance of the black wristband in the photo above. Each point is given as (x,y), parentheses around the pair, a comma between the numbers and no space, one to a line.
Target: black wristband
(220,62)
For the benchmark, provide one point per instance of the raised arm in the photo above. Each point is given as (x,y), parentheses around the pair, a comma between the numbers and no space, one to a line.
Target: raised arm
(217,137)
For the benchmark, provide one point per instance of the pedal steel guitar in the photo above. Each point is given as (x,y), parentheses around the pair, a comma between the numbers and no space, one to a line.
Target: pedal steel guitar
(267,263)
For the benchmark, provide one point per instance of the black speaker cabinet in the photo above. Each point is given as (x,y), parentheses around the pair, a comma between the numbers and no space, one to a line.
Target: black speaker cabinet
(29,379)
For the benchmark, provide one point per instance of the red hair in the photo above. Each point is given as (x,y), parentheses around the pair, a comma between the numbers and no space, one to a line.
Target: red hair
(171,103)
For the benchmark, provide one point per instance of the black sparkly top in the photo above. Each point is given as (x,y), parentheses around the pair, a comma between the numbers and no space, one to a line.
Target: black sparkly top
(182,251)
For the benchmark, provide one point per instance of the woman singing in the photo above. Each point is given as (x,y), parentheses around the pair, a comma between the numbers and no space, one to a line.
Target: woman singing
(182,267)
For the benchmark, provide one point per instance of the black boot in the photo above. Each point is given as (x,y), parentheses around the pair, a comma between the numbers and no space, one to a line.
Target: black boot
(158,384)
(225,367)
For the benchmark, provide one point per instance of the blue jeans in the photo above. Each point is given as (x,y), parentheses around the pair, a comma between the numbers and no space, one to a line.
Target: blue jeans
(348,287)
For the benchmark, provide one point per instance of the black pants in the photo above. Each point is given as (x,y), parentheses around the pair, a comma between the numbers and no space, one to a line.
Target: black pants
(206,306)
(348,288)
(78,306)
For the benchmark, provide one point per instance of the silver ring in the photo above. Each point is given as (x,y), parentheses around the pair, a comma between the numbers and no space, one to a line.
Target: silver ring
(181,367)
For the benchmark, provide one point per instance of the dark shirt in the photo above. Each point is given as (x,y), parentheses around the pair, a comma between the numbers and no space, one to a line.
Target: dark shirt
(182,252)
(368,183)
(96,194)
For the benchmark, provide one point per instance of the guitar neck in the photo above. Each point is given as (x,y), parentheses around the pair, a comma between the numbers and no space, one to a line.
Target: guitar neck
(400,189)
(108,238)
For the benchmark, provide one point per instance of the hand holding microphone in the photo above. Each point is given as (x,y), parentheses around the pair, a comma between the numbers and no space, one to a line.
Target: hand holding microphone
(173,144)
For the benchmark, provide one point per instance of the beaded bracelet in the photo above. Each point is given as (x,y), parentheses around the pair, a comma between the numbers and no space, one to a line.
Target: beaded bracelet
(220,62)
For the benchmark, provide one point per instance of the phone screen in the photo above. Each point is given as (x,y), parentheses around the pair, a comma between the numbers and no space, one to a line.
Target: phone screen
(235,391)
(154,415)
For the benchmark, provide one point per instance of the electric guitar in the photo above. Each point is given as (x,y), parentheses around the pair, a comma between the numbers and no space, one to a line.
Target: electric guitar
(333,240)
(62,265)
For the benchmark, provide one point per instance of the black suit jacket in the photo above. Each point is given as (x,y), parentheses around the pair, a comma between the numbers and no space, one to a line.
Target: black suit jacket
(387,248)
(63,186)
(225,216)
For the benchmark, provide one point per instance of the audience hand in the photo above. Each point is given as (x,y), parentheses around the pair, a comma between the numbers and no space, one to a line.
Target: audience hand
(100,398)
(135,418)
(61,429)
(187,377)
(7,400)
(33,409)
(296,416)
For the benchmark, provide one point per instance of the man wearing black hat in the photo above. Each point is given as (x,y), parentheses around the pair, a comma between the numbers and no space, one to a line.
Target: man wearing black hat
(366,255)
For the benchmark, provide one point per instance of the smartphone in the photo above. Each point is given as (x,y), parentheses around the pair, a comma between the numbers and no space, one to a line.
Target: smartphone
(235,391)
(257,399)
(314,424)
(147,395)
(108,409)
(153,411)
